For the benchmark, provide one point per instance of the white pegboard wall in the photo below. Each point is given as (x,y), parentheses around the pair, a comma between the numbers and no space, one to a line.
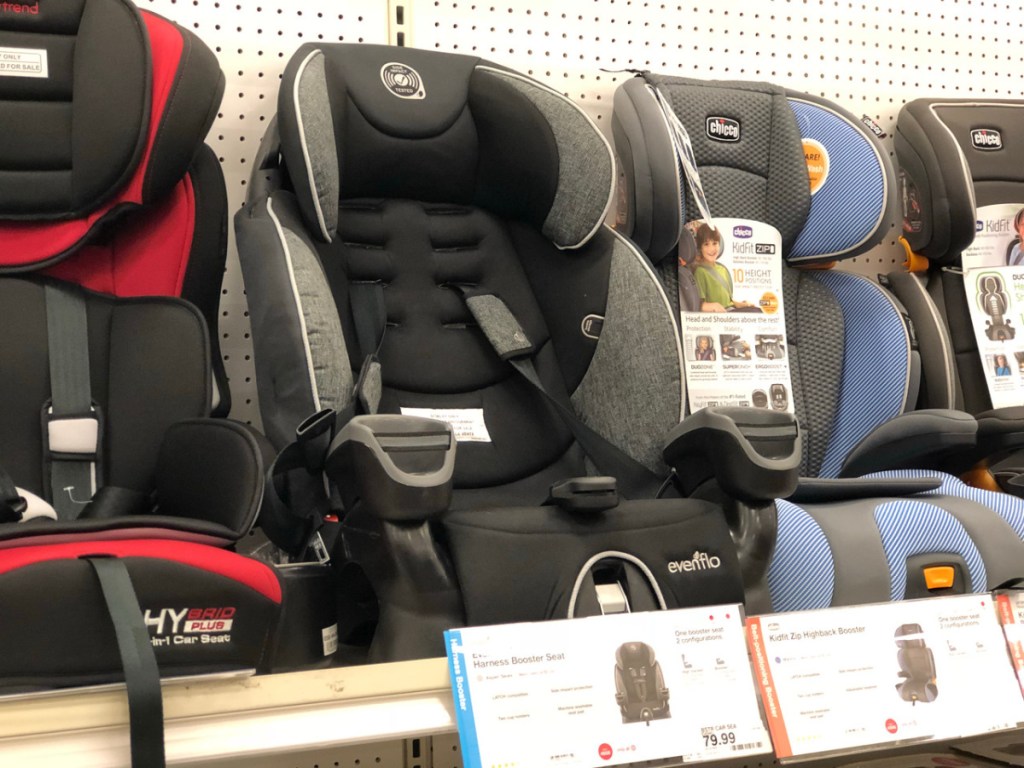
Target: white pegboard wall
(869,57)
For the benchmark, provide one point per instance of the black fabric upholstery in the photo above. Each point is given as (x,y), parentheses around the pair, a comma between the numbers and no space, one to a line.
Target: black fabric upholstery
(756,177)
(474,141)
(416,250)
(205,269)
(141,387)
(190,111)
(78,645)
(72,137)
(815,335)
(488,545)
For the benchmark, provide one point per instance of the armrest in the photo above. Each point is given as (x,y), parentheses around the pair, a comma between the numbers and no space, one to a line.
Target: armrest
(213,470)
(399,468)
(937,438)
(753,453)
(1000,430)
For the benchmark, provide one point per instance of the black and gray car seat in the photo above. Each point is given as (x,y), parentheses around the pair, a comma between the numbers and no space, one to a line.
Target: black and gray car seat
(120,500)
(435,222)
(956,155)
(855,365)
(917,665)
(640,688)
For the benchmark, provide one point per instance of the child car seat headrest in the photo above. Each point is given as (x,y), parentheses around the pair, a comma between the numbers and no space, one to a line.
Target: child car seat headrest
(360,121)
(104,109)
(758,169)
(955,155)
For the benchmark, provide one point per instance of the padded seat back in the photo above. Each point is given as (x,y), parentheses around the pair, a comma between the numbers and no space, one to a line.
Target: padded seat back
(139,388)
(104,179)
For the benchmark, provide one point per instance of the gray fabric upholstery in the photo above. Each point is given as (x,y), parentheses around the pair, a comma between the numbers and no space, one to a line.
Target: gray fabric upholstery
(752,178)
(631,393)
(371,388)
(499,325)
(586,171)
(314,110)
(816,338)
(327,353)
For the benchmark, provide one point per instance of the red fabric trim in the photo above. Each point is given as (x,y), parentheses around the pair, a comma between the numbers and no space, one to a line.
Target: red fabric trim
(147,256)
(28,243)
(251,573)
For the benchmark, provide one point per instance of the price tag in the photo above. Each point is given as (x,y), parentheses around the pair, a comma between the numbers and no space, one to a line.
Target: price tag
(1011,616)
(606,690)
(844,679)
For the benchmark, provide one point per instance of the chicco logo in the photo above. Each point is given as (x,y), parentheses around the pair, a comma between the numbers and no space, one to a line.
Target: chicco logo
(722,129)
(986,139)
(701,561)
(742,231)
(403,81)
(20,8)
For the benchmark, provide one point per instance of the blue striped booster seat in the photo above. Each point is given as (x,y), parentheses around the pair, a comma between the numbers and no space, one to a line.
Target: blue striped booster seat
(846,536)
(956,156)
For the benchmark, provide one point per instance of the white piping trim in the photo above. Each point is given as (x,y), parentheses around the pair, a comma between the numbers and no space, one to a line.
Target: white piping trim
(608,148)
(298,304)
(959,151)
(885,180)
(305,145)
(621,556)
(676,331)
(947,344)
(675,164)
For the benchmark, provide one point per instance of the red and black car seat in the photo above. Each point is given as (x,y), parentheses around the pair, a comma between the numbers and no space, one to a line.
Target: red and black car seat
(120,499)
(104,120)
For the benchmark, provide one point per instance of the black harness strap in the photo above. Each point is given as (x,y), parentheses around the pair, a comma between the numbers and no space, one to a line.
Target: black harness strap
(72,426)
(511,344)
(141,674)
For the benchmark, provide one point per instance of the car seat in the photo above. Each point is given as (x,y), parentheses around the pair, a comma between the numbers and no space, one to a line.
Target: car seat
(120,500)
(946,171)
(433,245)
(854,362)
(111,132)
(640,688)
(917,665)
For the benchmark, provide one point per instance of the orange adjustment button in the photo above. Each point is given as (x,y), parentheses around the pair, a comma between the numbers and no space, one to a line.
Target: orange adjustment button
(939,577)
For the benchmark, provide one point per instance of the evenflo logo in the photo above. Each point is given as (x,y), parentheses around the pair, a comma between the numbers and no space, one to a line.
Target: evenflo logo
(701,561)
(722,129)
(742,232)
(986,139)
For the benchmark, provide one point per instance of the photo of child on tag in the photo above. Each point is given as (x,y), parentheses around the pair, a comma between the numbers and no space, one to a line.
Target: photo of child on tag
(713,279)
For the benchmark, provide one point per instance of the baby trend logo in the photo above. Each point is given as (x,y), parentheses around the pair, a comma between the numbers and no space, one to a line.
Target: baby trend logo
(403,81)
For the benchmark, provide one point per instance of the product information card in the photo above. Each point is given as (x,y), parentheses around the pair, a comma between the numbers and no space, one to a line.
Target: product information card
(606,690)
(733,318)
(848,678)
(994,280)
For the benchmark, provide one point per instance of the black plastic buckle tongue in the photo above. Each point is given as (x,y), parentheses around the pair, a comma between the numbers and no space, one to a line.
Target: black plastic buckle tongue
(585,494)
(12,510)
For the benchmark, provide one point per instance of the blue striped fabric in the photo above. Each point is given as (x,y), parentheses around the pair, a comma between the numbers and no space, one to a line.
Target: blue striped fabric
(1007,506)
(801,575)
(876,364)
(848,207)
(911,528)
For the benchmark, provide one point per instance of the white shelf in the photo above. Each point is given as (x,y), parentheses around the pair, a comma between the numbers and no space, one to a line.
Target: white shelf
(230,717)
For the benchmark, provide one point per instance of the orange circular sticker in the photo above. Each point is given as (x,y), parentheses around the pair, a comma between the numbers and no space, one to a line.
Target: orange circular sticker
(817,163)
(769,303)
